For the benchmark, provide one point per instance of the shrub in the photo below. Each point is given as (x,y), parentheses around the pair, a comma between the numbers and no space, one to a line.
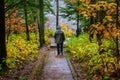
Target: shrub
(98,60)
(19,50)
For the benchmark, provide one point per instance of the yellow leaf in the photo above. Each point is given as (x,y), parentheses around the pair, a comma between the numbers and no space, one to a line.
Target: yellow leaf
(104,20)
(109,18)
(94,15)
(72,1)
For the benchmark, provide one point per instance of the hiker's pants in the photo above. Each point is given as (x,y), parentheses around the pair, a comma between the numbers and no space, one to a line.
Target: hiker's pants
(60,48)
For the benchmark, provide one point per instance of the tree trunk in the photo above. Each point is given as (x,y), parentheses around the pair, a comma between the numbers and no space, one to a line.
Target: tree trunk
(3,52)
(41,23)
(9,30)
(57,13)
(38,22)
(117,24)
(78,28)
(92,20)
(26,23)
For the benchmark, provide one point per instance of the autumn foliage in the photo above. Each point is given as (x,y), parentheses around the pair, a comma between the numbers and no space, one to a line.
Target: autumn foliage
(103,15)
(16,23)
(66,29)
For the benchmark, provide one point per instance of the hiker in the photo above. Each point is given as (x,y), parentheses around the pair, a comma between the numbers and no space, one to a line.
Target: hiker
(59,40)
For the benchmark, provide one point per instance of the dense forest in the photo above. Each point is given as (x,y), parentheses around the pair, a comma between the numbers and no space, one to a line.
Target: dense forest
(94,46)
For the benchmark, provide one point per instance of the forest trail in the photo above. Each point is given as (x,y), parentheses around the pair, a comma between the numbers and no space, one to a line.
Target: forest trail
(56,67)
(48,66)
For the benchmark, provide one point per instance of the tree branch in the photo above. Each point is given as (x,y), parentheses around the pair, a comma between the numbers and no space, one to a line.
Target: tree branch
(12,6)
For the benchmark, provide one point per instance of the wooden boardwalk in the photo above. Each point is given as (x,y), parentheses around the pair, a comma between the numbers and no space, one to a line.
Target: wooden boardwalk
(56,67)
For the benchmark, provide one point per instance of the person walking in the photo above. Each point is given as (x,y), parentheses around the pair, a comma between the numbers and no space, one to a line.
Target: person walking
(59,40)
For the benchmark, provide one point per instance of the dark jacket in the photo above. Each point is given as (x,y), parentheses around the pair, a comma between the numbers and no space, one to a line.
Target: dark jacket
(59,36)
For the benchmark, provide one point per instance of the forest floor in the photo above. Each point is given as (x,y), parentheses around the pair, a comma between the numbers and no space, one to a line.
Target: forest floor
(48,66)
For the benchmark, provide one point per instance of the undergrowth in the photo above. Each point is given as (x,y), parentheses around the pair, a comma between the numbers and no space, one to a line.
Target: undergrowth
(99,61)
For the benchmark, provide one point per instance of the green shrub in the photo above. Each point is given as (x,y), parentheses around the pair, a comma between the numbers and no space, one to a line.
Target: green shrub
(49,32)
(81,48)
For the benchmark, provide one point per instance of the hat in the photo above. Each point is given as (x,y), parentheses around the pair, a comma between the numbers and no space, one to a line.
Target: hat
(58,27)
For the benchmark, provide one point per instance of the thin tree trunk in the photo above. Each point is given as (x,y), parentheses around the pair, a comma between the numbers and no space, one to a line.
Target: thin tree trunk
(3,52)
(57,13)
(92,21)
(9,28)
(41,25)
(78,28)
(26,23)
(117,24)
(38,22)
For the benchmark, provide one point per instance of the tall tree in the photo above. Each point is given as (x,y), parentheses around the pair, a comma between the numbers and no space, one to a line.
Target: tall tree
(3,52)
(117,24)
(57,13)
(26,21)
(92,20)
(41,22)
(78,28)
